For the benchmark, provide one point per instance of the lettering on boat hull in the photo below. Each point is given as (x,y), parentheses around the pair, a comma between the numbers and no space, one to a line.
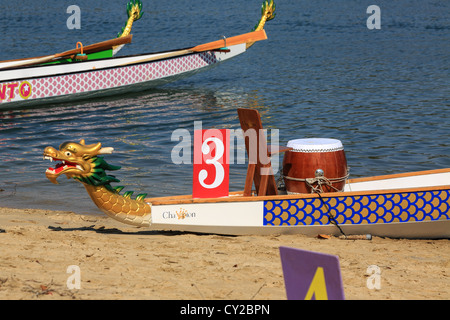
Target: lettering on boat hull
(9,91)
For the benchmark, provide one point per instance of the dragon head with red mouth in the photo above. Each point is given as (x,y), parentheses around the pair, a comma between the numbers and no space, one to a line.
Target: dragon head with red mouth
(81,162)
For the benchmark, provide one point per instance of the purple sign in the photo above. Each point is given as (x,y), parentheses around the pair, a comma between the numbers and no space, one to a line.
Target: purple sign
(311,275)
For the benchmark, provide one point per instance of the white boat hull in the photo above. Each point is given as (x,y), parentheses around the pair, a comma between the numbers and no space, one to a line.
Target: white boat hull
(420,211)
(68,82)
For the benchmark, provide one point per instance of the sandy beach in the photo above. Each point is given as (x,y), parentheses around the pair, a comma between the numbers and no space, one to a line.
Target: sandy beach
(120,262)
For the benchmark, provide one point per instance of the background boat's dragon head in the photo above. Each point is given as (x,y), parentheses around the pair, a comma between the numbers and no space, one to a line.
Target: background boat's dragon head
(134,12)
(267,14)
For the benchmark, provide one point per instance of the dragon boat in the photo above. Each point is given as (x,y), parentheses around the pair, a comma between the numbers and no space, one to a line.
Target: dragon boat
(317,197)
(94,70)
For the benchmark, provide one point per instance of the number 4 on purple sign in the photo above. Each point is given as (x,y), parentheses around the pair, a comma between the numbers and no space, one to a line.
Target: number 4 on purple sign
(311,275)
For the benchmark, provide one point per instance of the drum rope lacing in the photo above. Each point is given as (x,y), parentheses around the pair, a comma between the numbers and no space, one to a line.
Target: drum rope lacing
(320,180)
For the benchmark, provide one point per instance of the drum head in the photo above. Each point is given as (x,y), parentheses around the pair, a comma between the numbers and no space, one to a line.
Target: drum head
(315,145)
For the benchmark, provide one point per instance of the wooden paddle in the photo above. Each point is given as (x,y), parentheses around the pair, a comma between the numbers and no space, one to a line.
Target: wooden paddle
(243,38)
(96,47)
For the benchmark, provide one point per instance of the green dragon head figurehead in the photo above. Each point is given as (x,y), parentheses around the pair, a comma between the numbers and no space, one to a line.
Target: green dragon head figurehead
(134,11)
(81,162)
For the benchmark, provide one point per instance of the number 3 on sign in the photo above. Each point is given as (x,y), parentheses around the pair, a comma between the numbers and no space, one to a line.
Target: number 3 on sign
(220,172)
(211,166)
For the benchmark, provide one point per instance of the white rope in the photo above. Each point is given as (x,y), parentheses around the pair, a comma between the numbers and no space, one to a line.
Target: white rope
(320,182)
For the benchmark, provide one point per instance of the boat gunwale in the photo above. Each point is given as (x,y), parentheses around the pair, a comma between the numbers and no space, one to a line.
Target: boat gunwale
(398,175)
(182,52)
(237,196)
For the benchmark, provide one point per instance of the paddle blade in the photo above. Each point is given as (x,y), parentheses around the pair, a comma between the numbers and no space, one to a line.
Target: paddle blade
(243,38)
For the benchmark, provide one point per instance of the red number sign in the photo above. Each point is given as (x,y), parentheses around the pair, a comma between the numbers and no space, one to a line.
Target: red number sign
(211,163)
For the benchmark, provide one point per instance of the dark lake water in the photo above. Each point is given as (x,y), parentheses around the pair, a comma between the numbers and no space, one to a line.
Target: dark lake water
(322,73)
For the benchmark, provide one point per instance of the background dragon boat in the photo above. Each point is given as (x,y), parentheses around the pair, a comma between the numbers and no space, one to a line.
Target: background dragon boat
(404,205)
(92,71)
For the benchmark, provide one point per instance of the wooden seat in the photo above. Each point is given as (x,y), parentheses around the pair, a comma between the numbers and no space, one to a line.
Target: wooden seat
(259,169)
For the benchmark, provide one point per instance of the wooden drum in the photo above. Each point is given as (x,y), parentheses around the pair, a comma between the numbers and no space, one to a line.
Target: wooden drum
(315,165)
